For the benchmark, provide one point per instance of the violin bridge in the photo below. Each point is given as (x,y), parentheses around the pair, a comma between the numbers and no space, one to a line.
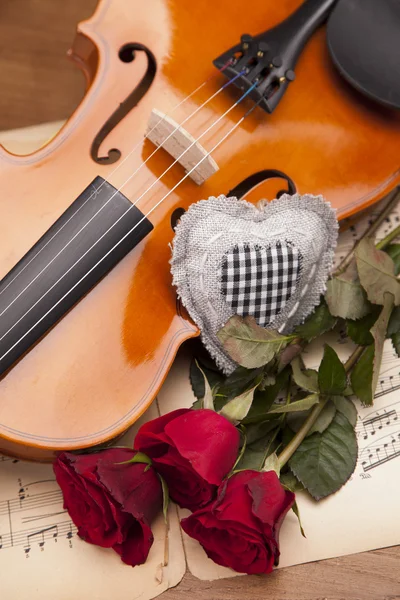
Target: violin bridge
(177,141)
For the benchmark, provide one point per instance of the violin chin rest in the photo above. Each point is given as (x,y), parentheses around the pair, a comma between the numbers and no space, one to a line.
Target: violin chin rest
(363,40)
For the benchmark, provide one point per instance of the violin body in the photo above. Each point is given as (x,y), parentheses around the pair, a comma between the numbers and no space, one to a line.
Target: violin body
(99,368)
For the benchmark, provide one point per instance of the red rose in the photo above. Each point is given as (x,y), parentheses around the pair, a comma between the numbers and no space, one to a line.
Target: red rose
(111,504)
(193,450)
(240,529)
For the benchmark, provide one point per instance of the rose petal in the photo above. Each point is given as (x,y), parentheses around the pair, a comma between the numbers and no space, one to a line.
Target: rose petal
(271,501)
(208,440)
(226,546)
(151,438)
(136,547)
(135,486)
(99,520)
(186,487)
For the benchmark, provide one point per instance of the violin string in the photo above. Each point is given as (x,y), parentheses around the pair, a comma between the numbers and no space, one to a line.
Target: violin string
(139,144)
(115,193)
(113,225)
(224,137)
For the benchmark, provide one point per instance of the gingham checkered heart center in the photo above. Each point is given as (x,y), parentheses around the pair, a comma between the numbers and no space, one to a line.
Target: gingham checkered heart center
(258,280)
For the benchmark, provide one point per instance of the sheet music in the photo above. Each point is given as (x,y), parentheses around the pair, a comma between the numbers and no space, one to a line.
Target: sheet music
(41,556)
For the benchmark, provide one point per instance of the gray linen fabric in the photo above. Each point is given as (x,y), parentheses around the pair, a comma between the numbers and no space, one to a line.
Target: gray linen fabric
(212,228)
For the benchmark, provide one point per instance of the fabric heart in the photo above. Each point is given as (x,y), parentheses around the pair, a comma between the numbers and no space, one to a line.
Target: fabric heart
(270,261)
(258,280)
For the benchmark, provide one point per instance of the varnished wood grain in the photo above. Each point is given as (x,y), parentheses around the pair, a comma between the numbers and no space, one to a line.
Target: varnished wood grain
(367,576)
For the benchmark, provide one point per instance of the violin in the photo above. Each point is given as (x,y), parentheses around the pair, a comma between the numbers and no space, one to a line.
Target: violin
(181,104)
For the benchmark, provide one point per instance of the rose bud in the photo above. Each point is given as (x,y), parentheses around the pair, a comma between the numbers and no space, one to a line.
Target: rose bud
(240,529)
(111,504)
(194,450)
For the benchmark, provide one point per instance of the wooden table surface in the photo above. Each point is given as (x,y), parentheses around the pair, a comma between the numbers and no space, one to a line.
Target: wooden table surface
(38,84)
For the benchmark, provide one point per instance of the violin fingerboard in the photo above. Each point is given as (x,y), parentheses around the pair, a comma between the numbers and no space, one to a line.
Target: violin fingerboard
(99,228)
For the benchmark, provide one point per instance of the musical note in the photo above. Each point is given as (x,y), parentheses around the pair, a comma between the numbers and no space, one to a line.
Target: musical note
(34,517)
(375,424)
(381,453)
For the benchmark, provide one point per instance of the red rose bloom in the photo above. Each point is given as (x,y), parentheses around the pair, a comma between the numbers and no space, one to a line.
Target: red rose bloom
(111,504)
(193,450)
(240,529)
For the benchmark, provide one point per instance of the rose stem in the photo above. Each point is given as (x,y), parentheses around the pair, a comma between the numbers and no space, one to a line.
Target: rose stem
(295,442)
(166,543)
(353,358)
(395,197)
(301,434)
(390,236)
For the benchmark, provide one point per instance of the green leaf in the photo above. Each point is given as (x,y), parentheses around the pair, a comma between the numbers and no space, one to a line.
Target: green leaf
(348,391)
(235,410)
(325,418)
(165,492)
(207,401)
(291,483)
(361,376)
(396,343)
(139,457)
(325,461)
(394,252)
(257,431)
(299,405)
(306,379)
(243,437)
(286,433)
(376,272)
(345,296)
(263,400)
(393,330)
(248,344)
(199,369)
(379,330)
(255,454)
(346,407)
(296,511)
(331,374)
(239,381)
(365,375)
(394,322)
(271,463)
(359,331)
(319,322)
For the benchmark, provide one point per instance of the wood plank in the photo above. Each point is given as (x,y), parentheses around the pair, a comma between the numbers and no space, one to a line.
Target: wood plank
(368,576)
(37,81)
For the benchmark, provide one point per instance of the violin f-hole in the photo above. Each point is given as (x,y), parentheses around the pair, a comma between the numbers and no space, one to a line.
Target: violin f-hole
(126,54)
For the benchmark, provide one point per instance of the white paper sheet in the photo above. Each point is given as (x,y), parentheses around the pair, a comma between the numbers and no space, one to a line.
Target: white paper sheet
(42,558)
